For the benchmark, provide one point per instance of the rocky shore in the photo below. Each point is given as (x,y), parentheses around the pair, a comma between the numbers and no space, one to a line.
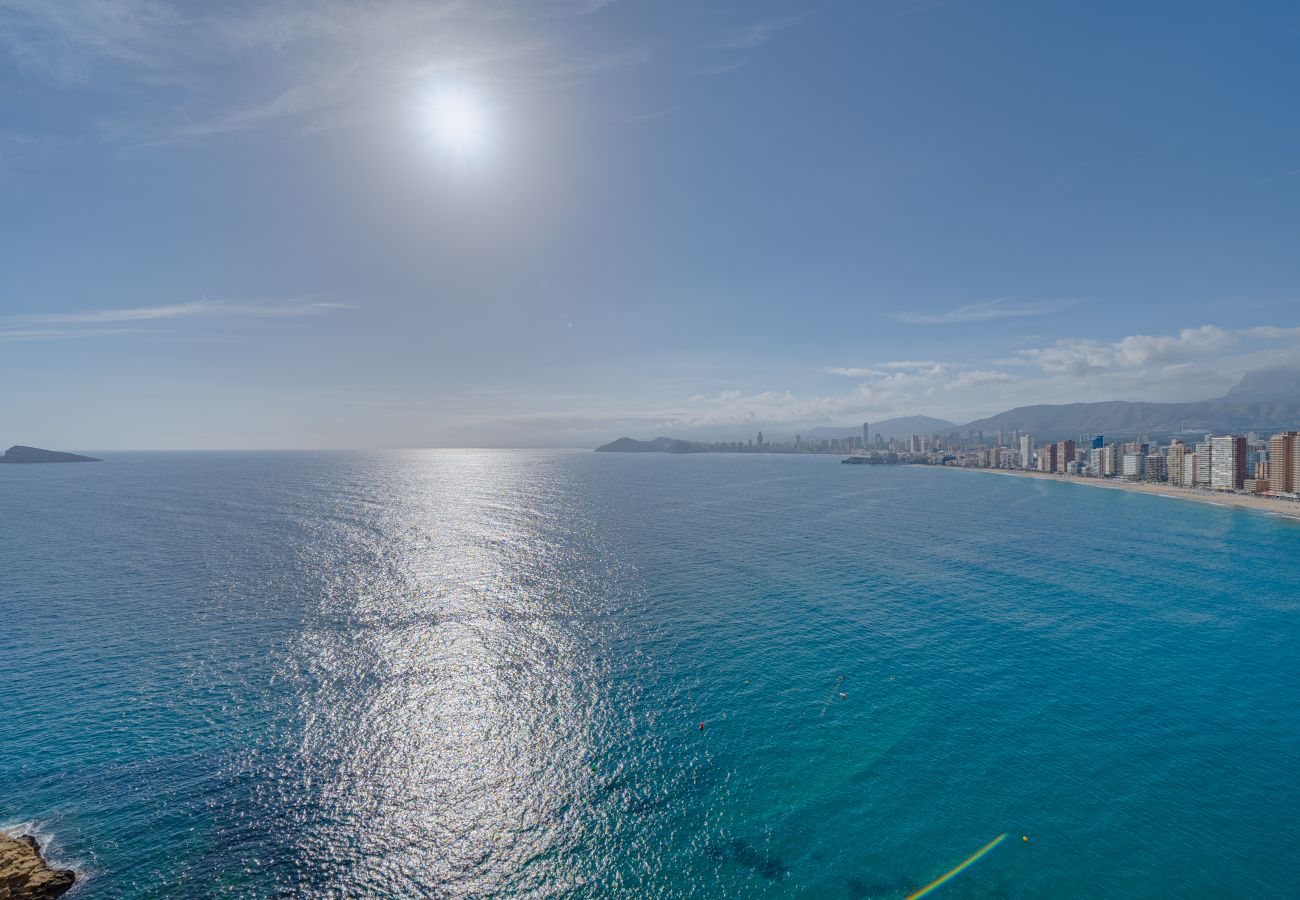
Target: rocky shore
(24,874)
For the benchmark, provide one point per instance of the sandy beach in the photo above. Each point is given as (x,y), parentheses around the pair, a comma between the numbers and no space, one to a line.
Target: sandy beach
(1277,506)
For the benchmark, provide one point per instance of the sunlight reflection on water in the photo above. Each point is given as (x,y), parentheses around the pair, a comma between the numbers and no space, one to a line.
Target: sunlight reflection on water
(454,696)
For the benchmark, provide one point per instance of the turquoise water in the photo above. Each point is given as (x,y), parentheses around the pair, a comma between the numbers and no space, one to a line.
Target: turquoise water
(465,674)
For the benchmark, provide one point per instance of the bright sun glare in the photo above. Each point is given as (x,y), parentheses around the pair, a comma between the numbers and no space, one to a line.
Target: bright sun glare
(460,123)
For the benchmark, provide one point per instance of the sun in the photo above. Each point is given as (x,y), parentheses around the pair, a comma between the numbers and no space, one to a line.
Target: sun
(460,123)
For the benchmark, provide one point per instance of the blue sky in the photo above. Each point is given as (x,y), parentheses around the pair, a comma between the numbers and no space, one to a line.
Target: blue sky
(235,225)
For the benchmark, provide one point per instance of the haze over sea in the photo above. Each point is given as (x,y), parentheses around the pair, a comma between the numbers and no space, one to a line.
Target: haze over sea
(482,673)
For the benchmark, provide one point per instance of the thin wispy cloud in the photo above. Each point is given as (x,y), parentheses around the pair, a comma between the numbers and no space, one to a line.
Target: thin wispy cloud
(755,35)
(175,311)
(14,335)
(321,66)
(992,309)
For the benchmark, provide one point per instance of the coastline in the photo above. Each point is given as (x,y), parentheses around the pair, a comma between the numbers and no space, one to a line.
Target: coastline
(25,874)
(1289,509)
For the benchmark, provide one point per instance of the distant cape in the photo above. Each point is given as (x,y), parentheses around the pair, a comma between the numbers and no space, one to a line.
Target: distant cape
(658,445)
(21,454)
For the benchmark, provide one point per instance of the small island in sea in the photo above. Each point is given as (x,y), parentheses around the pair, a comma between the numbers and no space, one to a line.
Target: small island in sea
(20,454)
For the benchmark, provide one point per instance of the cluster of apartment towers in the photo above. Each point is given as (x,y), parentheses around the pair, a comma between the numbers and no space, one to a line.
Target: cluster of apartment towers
(1230,462)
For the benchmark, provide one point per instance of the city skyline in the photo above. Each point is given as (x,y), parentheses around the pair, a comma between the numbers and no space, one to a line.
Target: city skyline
(285,225)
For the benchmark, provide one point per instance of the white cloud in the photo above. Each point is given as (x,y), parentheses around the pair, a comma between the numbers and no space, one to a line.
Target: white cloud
(851,372)
(899,393)
(1075,356)
(1194,364)
(992,309)
(977,377)
(909,364)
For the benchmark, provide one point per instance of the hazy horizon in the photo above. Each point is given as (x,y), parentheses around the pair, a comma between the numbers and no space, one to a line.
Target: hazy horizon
(284,225)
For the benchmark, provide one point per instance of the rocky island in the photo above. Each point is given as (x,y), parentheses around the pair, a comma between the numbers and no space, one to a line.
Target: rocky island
(21,454)
(24,874)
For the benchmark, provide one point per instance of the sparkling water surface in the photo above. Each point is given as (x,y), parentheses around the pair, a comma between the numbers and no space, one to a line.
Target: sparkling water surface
(482,673)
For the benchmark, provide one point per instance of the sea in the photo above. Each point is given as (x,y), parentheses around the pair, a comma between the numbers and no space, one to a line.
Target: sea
(488,673)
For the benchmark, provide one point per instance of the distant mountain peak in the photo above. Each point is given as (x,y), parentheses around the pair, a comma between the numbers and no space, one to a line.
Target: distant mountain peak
(1265,400)
(1267,385)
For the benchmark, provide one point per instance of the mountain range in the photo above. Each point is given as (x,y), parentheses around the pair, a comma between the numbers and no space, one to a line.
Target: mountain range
(1265,401)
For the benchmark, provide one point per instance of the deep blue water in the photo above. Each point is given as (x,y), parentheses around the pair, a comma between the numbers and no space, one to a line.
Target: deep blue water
(463,674)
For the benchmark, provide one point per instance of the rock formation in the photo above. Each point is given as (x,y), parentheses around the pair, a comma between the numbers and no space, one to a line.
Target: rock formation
(24,874)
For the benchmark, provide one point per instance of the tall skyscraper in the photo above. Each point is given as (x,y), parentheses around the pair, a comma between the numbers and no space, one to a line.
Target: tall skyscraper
(1064,455)
(1203,456)
(865,442)
(1026,451)
(1295,464)
(1282,452)
(1176,462)
(760,440)
(1228,461)
(1110,458)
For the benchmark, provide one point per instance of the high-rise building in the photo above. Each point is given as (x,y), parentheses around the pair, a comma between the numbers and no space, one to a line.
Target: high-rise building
(1282,453)
(1203,457)
(1176,463)
(1026,451)
(1110,459)
(1134,466)
(1064,455)
(1295,464)
(865,442)
(1156,469)
(1047,457)
(760,440)
(1227,462)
